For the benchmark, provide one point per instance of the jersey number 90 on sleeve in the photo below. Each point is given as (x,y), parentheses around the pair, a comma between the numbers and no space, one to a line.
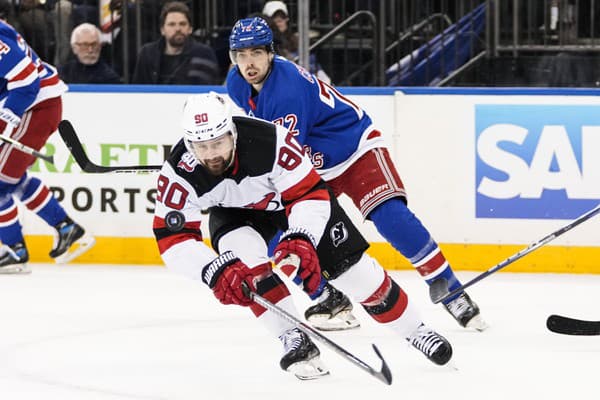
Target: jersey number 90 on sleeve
(290,156)
(172,195)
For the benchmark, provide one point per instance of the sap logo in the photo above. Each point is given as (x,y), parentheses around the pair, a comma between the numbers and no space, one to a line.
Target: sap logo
(537,161)
(554,163)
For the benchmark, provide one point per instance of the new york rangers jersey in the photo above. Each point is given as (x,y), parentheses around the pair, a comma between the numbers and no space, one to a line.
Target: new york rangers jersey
(269,173)
(334,131)
(25,79)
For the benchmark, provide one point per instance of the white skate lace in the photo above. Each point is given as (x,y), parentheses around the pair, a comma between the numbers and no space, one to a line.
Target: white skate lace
(458,306)
(291,339)
(4,249)
(426,340)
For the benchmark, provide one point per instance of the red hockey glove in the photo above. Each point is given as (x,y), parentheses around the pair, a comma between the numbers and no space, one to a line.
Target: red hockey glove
(297,251)
(225,275)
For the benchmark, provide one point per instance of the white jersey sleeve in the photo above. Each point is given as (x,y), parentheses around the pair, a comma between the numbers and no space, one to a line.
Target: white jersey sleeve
(304,196)
(177,221)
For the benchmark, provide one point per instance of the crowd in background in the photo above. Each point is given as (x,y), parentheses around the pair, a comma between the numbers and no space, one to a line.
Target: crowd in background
(87,47)
(143,43)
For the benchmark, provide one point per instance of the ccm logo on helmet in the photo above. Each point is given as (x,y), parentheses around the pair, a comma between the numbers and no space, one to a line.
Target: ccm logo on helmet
(201,118)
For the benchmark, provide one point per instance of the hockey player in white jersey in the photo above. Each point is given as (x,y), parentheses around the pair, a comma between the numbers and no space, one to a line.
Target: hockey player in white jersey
(255,179)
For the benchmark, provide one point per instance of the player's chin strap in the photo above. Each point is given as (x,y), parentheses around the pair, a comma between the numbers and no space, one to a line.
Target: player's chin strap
(384,375)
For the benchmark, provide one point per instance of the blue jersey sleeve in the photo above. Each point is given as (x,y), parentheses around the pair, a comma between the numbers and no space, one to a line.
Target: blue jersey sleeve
(19,71)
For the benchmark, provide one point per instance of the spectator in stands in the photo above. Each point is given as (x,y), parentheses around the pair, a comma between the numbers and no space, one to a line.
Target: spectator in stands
(87,66)
(277,12)
(176,58)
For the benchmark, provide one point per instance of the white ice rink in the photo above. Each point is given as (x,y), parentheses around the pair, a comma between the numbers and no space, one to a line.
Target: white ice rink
(114,332)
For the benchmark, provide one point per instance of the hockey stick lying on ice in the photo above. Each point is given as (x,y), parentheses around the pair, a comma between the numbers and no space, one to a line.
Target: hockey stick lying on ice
(572,326)
(27,149)
(69,136)
(438,291)
(385,375)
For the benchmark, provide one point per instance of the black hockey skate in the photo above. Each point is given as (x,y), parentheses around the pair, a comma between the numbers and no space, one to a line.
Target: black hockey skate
(466,312)
(70,241)
(13,259)
(433,345)
(333,312)
(301,356)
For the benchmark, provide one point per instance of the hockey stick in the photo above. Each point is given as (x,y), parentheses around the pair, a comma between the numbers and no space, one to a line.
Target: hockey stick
(438,291)
(69,136)
(572,326)
(27,149)
(385,375)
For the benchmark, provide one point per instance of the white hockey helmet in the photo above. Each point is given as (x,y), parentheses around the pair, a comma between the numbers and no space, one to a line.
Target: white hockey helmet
(207,117)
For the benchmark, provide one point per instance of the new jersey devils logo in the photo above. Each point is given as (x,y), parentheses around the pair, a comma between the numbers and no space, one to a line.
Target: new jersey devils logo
(338,233)
(265,203)
(188,162)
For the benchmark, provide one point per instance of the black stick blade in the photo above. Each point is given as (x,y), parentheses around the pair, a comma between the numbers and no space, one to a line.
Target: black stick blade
(438,290)
(572,326)
(69,136)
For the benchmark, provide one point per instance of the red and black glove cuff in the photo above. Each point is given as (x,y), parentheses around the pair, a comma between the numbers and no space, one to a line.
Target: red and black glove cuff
(298,233)
(214,269)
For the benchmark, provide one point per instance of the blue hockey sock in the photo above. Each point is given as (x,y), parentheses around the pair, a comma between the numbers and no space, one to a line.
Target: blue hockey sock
(39,199)
(405,232)
(11,231)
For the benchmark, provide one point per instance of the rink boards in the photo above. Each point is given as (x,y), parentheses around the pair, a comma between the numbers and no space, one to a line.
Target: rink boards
(488,171)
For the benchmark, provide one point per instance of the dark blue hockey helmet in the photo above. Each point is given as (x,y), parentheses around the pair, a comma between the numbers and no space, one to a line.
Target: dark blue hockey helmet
(251,32)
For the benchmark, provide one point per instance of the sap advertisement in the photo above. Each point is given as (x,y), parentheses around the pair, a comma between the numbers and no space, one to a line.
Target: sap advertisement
(500,166)
(536,160)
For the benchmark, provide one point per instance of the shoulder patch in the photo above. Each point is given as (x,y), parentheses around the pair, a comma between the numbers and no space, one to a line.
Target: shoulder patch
(174,220)
(188,162)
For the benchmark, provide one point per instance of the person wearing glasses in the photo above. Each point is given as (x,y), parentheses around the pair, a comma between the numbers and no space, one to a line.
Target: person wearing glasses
(87,66)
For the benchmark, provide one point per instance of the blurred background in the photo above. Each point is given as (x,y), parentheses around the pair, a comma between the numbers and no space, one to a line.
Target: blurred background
(535,43)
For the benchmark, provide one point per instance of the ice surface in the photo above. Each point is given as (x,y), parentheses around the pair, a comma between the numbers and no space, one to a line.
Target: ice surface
(140,332)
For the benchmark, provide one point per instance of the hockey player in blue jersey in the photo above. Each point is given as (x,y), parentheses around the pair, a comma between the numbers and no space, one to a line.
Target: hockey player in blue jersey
(30,110)
(345,147)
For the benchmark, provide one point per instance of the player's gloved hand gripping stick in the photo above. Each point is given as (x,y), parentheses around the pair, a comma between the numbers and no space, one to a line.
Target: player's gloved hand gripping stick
(296,252)
(231,282)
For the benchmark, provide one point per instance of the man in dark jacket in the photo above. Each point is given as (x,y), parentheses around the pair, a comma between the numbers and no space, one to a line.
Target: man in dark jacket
(176,58)
(87,66)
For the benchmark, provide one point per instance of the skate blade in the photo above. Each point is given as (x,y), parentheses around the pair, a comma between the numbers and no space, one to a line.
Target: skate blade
(342,321)
(82,245)
(308,370)
(15,269)
(477,323)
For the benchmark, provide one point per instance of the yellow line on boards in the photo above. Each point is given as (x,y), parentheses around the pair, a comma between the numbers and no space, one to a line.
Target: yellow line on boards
(473,257)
